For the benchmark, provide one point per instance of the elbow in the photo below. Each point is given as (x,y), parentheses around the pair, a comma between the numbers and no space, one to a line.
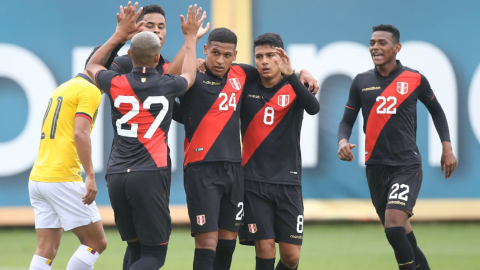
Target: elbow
(314,110)
(80,136)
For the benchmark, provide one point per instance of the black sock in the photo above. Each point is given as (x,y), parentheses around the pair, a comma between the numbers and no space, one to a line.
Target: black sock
(153,257)
(281,266)
(135,252)
(420,259)
(125,259)
(403,250)
(203,259)
(224,253)
(264,264)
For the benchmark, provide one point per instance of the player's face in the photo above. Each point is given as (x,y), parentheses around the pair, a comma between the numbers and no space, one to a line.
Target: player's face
(264,55)
(383,48)
(155,23)
(219,57)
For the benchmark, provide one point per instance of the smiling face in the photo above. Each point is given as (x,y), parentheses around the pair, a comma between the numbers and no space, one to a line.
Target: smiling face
(156,23)
(383,48)
(219,57)
(264,55)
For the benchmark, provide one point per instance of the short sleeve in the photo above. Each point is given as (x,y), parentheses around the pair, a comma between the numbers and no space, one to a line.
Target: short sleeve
(104,80)
(250,71)
(88,100)
(354,102)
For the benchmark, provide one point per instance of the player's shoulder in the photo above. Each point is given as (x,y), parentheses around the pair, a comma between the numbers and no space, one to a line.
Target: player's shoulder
(123,63)
(366,74)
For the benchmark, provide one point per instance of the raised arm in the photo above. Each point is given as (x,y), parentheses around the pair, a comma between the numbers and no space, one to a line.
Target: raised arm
(177,62)
(190,28)
(306,99)
(126,27)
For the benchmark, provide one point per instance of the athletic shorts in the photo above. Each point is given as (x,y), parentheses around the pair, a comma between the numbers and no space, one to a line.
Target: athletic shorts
(272,211)
(214,196)
(59,205)
(140,202)
(394,187)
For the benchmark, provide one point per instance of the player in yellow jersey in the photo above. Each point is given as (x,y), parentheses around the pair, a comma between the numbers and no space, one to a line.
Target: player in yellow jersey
(60,199)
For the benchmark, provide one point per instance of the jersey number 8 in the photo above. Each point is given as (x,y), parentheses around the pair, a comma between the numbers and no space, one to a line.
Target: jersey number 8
(132,132)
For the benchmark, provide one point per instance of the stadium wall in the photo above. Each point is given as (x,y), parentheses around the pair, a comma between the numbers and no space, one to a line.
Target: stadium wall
(39,51)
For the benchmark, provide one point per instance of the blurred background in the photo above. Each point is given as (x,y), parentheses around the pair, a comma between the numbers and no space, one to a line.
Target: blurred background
(45,43)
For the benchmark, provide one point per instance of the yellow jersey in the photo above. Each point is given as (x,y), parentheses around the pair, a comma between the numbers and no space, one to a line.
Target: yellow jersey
(58,160)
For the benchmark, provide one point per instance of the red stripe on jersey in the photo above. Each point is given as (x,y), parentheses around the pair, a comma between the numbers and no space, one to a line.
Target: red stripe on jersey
(85,115)
(156,145)
(376,121)
(215,120)
(262,125)
(165,68)
(348,107)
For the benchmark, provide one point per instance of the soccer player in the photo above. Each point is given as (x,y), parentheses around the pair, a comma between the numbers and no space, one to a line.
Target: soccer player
(141,102)
(271,120)
(60,199)
(388,97)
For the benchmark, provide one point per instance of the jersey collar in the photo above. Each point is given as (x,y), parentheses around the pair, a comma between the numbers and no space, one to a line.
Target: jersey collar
(213,76)
(276,87)
(85,77)
(145,70)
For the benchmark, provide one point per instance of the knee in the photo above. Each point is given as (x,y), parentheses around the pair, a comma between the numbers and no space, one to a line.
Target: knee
(265,249)
(291,260)
(47,249)
(206,241)
(102,244)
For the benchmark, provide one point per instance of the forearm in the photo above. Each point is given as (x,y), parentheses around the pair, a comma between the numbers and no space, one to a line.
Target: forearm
(189,67)
(113,54)
(306,99)
(84,151)
(176,65)
(346,125)
(439,120)
(101,56)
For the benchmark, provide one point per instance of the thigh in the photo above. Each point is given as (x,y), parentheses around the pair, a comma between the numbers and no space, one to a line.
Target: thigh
(289,214)
(378,179)
(404,187)
(203,196)
(45,214)
(232,204)
(121,206)
(259,213)
(147,195)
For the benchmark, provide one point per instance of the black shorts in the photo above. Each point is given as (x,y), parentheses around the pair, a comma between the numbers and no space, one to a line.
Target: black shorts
(272,211)
(214,196)
(140,203)
(394,187)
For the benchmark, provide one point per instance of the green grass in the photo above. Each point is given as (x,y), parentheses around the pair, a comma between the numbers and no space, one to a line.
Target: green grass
(342,246)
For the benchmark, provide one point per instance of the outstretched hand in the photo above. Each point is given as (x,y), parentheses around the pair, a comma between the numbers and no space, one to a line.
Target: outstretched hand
(193,22)
(203,30)
(282,60)
(127,24)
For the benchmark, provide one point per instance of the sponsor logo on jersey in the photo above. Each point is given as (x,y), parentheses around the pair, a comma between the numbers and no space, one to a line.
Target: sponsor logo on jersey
(211,83)
(201,220)
(402,88)
(396,202)
(143,80)
(283,100)
(293,172)
(371,88)
(252,228)
(235,83)
(296,236)
(254,96)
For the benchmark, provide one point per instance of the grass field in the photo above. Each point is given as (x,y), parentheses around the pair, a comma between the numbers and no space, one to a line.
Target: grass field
(342,246)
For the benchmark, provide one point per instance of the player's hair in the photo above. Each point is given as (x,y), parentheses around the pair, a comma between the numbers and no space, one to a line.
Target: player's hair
(272,39)
(91,54)
(222,35)
(388,28)
(153,8)
(144,47)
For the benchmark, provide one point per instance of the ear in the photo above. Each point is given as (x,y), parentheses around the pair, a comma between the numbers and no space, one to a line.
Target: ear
(129,54)
(157,59)
(235,55)
(205,49)
(397,48)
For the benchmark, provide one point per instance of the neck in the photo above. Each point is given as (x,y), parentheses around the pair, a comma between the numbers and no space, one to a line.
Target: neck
(271,82)
(387,68)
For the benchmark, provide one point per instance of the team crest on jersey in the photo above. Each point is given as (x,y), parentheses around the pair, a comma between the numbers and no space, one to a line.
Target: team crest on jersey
(252,228)
(283,100)
(402,88)
(235,83)
(201,220)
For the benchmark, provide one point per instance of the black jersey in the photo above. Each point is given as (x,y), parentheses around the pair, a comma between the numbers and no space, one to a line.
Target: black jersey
(271,125)
(389,108)
(211,115)
(123,65)
(141,105)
